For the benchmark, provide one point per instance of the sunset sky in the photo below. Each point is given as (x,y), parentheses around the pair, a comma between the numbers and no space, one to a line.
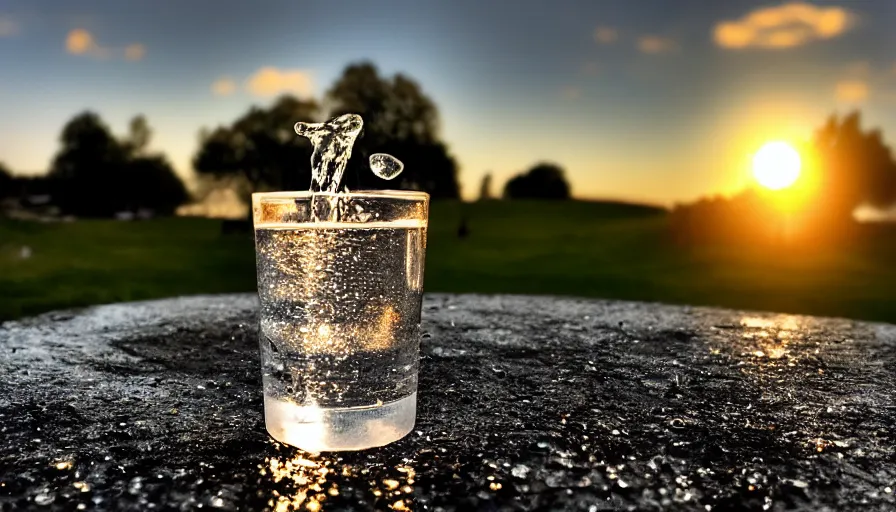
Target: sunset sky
(656,100)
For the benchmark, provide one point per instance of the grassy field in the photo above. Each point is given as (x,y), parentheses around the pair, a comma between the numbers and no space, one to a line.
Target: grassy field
(583,249)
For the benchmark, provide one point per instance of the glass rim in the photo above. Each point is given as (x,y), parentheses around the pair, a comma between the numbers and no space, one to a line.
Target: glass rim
(376,193)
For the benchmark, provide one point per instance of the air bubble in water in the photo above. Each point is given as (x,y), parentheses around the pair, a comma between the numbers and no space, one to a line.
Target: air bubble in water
(385,166)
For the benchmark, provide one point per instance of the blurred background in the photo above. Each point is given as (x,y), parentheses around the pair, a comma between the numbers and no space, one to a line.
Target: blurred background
(729,153)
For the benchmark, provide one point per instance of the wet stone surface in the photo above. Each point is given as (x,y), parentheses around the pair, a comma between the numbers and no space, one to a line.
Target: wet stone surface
(525,403)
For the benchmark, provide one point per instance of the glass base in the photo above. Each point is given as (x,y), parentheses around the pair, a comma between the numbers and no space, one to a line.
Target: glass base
(316,429)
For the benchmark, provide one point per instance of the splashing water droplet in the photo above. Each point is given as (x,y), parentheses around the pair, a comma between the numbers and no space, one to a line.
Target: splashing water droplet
(332,143)
(385,166)
(520,470)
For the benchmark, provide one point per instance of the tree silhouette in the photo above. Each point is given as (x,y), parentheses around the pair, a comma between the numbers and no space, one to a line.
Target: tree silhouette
(86,169)
(856,167)
(544,181)
(852,166)
(392,108)
(485,188)
(261,147)
(95,175)
(5,181)
(399,119)
(154,185)
(139,136)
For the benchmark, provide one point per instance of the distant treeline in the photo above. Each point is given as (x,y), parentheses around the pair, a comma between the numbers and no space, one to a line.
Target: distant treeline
(96,174)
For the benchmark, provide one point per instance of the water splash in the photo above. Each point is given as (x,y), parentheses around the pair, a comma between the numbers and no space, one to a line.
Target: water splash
(332,143)
(385,166)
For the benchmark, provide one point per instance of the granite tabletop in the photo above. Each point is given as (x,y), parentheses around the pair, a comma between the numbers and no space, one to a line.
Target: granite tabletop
(524,403)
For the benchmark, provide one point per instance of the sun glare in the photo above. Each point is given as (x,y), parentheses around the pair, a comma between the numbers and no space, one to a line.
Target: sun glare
(776,165)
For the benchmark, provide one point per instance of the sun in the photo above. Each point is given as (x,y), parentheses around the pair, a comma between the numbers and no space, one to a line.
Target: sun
(776,165)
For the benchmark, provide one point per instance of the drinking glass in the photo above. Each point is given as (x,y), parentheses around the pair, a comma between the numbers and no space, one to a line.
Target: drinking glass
(340,282)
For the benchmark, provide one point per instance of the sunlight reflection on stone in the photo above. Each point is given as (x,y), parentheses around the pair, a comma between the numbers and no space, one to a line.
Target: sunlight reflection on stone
(310,481)
(781,322)
(757,322)
(308,474)
(772,339)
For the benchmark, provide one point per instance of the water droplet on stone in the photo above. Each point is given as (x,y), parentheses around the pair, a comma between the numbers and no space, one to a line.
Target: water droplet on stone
(520,471)
(676,423)
(385,166)
(555,479)
(44,498)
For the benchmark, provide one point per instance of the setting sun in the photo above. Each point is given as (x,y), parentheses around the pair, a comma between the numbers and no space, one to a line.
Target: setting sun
(776,165)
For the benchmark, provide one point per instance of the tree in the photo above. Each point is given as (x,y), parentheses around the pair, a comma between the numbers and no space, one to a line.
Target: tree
(427,166)
(856,167)
(96,175)
(262,151)
(5,182)
(139,136)
(399,119)
(153,185)
(261,147)
(850,167)
(544,181)
(485,188)
(86,170)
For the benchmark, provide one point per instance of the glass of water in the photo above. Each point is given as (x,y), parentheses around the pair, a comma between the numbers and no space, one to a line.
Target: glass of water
(340,281)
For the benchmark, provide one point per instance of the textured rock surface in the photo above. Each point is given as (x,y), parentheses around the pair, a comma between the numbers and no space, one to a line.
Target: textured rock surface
(525,403)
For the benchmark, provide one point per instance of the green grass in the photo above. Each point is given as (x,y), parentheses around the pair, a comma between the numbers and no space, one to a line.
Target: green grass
(583,249)
(92,262)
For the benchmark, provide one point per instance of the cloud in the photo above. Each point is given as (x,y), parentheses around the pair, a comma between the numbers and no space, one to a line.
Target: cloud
(784,26)
(606,35)
(224,86)
(852,91)
(81,42)
(134,51)
(270,81)
(8,27)
(655,44)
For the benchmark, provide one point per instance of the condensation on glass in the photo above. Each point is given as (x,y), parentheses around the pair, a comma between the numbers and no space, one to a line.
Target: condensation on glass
(340,281)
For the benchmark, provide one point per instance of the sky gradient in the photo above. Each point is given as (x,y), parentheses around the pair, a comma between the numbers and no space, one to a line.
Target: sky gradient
(655,100)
